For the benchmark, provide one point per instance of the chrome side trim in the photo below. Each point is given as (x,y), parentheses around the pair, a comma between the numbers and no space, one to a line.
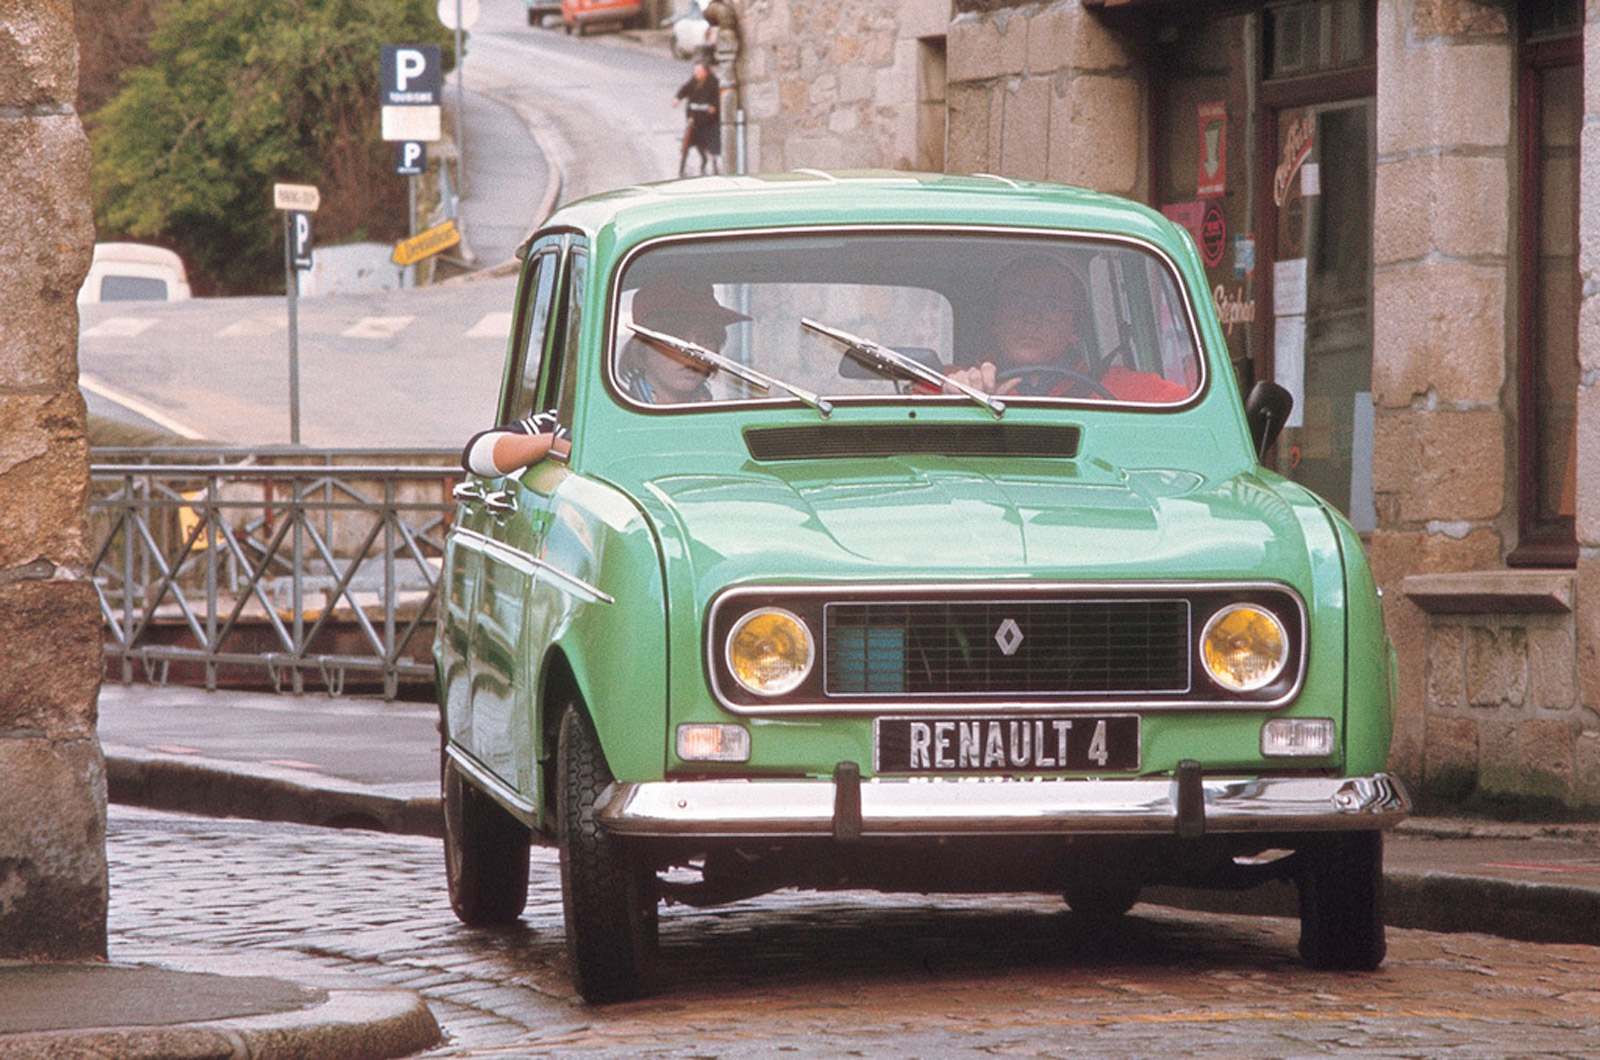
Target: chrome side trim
(529,564)
(972,806)
(509,799)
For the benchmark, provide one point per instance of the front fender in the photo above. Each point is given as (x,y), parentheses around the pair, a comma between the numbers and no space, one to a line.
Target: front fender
(614,639)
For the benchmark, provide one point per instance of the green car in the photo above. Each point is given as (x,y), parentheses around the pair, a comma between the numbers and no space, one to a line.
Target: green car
(913,536)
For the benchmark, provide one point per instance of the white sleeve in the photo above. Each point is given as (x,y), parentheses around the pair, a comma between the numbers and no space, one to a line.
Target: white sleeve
(480,454)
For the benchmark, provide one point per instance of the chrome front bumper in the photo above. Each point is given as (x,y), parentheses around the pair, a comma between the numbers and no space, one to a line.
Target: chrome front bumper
(966,806)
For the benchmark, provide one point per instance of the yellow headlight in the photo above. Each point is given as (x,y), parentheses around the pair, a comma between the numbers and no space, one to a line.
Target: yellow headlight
(770,652)
(1244,647)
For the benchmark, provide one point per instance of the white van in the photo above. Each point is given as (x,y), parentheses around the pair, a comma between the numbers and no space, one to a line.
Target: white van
(134,272)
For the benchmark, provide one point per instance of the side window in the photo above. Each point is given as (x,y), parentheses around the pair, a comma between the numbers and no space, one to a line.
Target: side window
(539,290)
(561,381)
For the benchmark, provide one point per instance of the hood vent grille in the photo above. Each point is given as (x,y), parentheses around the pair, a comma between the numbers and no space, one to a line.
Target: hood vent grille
(829,441)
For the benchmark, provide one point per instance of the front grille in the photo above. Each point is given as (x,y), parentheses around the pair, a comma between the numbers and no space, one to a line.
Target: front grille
(1033,647)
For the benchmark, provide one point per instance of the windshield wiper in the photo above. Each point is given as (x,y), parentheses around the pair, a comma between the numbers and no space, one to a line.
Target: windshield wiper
(876,355)
(717,362)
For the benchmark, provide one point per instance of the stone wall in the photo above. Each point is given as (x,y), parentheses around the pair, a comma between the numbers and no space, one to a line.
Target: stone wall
(837,84)
(1047,92)
(1442,267)
(52,837)
(1037,91)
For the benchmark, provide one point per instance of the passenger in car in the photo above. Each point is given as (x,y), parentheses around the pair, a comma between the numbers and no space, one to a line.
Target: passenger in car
(1040,315)
(684,309)
(681,308)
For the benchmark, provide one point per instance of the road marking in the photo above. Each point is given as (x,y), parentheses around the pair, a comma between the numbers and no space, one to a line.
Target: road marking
(495,325)
(119,328)
(134,405)
(253,327)
(377,328)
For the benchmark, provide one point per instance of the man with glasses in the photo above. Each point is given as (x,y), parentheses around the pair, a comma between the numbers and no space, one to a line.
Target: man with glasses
(1040,320)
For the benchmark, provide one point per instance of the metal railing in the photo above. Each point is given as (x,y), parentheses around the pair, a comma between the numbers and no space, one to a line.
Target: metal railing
(266,565)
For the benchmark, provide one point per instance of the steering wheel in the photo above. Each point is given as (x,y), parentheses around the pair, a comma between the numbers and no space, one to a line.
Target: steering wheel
(1045,378)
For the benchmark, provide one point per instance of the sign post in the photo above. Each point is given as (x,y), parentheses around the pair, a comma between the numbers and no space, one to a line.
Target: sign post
(298,202)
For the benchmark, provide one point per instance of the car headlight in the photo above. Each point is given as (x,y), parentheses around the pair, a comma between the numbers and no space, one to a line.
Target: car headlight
(770,652)
(1244,647)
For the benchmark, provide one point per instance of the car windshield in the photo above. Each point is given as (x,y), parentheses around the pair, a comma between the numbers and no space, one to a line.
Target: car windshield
(1025,317)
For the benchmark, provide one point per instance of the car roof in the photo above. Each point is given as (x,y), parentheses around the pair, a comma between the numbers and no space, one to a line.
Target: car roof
(808,198)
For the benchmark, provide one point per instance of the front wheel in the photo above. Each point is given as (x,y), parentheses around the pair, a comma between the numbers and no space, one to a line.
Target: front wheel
(608,893)
(1340,880)
(485,854)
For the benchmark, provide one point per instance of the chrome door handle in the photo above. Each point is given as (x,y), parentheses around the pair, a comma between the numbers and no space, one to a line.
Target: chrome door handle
(503,502)
(467,492)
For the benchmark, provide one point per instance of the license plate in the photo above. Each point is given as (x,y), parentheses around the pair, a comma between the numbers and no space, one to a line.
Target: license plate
(950,746)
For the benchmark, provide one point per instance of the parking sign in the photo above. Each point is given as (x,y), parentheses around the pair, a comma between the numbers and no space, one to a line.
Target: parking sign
(411,75)
(410,158)
(300,239)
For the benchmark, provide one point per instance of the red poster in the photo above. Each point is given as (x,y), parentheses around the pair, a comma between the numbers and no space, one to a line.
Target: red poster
(1213,169)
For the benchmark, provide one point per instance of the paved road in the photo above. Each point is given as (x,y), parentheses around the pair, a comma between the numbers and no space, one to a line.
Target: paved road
(810,975)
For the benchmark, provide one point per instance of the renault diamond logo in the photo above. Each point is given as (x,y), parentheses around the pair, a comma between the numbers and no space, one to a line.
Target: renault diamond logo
(1009,637)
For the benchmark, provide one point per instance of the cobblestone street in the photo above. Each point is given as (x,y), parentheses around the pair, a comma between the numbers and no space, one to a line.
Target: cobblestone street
(825,975)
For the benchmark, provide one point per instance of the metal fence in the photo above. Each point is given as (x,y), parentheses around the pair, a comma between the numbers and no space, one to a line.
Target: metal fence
(270,566)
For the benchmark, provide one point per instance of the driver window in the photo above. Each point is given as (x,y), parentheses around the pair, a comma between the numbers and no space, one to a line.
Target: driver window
(541,286)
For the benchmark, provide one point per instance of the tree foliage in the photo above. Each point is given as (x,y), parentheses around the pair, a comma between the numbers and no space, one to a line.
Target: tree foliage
(240,94)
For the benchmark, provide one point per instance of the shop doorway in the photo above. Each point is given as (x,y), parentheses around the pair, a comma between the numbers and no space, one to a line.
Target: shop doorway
(1317,214)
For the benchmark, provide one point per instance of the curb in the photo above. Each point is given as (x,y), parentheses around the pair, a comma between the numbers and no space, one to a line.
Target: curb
(1445,902)
(214,788)
(349,1025)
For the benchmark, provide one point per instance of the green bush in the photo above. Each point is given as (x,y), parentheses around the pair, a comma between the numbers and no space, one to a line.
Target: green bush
(238,95)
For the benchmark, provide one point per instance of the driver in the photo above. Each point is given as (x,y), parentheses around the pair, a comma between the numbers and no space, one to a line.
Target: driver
(1040,311)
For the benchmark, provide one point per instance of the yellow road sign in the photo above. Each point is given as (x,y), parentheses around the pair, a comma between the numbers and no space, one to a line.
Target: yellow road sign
(410,251)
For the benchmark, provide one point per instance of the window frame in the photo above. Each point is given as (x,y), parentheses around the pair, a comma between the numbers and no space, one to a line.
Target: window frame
(1538,544)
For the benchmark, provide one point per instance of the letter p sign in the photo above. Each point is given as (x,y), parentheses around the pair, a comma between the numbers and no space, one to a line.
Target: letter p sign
(299,239)
(409,64)
(411,75)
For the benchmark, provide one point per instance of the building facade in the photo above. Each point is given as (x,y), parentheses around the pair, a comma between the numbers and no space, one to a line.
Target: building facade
(1396,201)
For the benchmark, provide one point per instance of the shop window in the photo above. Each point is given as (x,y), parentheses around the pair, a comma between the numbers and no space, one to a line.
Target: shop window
(1317,38)
(1550,119)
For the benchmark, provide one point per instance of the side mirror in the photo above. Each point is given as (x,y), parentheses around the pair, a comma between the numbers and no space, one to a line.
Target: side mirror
(1267,410)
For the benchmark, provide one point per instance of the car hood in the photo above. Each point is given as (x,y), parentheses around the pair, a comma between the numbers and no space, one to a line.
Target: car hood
(939,520)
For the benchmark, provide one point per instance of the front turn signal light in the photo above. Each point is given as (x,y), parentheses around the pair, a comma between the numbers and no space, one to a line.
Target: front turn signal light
(1297,738)
(770,652)
(713,743)
(1244,647)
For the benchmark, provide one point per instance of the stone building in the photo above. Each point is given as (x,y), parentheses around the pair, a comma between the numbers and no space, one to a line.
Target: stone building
(1396,203)
(52,779)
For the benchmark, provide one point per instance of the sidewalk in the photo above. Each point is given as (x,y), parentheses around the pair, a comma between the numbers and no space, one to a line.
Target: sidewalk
(67,1011)
(364,763)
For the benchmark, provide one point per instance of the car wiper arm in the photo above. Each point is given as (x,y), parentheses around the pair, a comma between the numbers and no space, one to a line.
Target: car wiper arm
(876,355)
(717,362)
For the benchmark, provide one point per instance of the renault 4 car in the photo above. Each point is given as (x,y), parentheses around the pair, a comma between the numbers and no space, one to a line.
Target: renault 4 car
(844,584)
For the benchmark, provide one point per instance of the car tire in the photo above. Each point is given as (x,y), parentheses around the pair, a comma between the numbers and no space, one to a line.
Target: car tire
(534,18)
(1340,880)
(485,854)
(608,893)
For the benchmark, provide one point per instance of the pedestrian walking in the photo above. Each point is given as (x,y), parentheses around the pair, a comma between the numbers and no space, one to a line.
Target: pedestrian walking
(702,95)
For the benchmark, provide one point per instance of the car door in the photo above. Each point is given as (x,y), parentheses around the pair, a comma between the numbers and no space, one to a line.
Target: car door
(537,498)
(492,545)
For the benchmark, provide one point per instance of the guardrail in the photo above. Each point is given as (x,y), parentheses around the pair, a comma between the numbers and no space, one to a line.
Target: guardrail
(268,565)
